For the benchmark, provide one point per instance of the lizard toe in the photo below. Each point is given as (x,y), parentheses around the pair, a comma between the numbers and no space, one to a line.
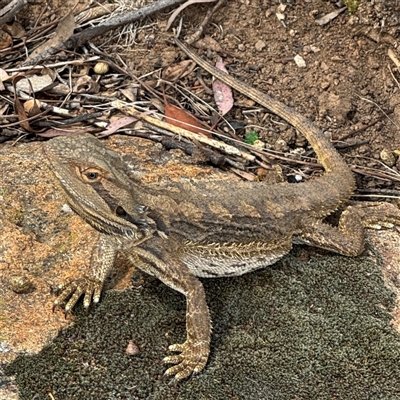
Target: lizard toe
(71,291)
(192,359)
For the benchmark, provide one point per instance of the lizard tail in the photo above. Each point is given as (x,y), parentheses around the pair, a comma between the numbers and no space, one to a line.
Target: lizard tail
(338,177)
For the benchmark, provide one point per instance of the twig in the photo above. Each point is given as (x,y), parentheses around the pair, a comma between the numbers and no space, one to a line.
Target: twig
(182,132)
(80,38)
(342,146)
(196,35)
(380,108)
(375,174)
(70,121)
(393,57)
(390,192)
(352,133)
(55,65)
(394,78)
(171,19)
(376,196)
(10,11)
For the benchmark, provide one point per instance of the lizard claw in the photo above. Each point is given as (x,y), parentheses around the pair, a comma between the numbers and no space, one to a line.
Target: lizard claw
(191,360)
(74,289)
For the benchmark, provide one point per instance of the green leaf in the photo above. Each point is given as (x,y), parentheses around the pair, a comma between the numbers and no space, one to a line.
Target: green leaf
(251,137)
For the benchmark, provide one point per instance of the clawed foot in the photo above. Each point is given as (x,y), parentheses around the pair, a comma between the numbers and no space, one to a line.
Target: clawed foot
(74,289)
(191,360)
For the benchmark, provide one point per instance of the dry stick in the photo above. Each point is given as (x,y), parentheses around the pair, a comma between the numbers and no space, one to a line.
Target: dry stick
(391,192)
(196,35)
(9,11)
(80,38)
(182,132)
(375,174)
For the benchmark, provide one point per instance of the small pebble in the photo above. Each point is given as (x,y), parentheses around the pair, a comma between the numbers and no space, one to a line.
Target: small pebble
(387,157)
(260,45)
(132,349)
(21,284)
(300,62)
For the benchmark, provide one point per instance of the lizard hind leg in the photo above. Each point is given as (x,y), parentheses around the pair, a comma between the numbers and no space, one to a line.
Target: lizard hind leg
(348,237)
(194,352)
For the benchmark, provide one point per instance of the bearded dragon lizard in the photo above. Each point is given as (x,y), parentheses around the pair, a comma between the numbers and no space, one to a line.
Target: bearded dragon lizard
(179,232)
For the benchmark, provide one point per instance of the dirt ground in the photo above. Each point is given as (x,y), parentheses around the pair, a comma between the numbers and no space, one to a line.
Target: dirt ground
(349,85)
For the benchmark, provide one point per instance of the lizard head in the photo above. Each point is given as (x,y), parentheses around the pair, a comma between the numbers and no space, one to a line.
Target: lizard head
(93,181)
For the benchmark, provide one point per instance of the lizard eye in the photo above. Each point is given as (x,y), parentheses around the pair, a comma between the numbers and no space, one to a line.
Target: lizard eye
(91,175)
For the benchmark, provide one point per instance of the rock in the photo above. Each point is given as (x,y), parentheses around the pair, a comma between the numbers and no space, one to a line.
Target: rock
(388,157)
(260,45)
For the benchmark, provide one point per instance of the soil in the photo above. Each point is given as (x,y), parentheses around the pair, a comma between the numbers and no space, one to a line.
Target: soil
(349,86)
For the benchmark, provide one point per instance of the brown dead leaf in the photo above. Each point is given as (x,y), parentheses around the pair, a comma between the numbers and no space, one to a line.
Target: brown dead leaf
(3,77)
(178,117)
(208,43)
(16,30)
(130,93)
(85,84)
(5,40)
(248,176)
(4,109)
(32,107)
(177,71)
(95,12)
(329,17)
(19,108)
(65,29)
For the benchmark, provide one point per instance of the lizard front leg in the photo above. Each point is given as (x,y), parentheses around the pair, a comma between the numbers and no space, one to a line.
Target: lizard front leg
(91,285)
(194,352)
(348,238)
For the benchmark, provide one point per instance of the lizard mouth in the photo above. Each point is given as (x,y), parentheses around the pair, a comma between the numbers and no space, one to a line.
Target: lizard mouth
(108,226)
(140,221)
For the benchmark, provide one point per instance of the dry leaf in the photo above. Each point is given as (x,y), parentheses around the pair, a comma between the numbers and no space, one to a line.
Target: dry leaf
(85,84)
(208,43)
(117,124)
(222,93)
(65,29)
(130,93)
(177,71)
(4,109)
(16,30)
(35,83)
(32,107)
(3,77)
(329,17)
(182,119)
(5,40)
(19,108)
(244,174)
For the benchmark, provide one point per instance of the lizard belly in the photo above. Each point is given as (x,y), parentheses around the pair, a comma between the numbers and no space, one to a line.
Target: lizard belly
(219,260)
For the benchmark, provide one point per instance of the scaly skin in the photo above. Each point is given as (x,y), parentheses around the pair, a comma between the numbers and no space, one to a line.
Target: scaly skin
(179,232)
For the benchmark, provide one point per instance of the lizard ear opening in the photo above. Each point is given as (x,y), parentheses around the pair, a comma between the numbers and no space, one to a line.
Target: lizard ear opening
(120,212)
